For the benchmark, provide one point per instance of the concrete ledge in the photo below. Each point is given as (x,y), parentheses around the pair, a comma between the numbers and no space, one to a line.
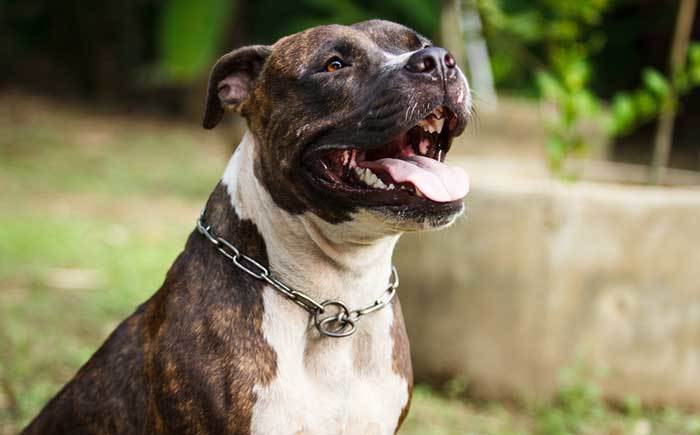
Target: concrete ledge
(540,274)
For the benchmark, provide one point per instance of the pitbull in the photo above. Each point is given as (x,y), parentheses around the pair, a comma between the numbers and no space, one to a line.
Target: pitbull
(279,316)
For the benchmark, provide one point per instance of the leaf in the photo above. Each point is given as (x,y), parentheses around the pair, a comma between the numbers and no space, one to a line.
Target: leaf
(695,76)
(656,82)
(646,105)
(576,71)
(694,53)
(549,86)
(189,36)
(682,82)
(585,103)
(623,113)
(525,26)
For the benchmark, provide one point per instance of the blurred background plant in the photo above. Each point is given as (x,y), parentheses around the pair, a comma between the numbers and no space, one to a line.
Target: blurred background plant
(597,62)
(559,46)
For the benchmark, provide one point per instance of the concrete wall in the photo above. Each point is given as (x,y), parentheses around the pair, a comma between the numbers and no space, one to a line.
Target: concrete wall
(541,273)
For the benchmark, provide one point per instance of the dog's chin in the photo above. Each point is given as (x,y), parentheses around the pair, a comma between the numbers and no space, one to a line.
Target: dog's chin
(414,219)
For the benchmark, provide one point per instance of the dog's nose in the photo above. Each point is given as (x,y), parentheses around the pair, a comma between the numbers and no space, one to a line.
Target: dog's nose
(431,60)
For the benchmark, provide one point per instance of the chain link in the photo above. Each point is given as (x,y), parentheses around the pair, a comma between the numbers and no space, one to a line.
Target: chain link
(341,323)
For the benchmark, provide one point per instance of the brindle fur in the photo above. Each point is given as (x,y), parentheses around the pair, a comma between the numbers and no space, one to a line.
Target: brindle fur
(292,108)
(187,360)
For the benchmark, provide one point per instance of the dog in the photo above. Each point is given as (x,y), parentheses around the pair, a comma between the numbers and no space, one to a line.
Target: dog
(280,315)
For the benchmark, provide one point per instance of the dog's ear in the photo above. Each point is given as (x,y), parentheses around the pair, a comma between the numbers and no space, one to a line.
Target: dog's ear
(231,81)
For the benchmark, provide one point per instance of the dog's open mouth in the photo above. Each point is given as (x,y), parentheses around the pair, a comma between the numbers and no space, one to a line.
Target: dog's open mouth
(410,165)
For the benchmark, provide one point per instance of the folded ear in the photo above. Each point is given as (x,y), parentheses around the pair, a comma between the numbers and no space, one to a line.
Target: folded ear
(231,81)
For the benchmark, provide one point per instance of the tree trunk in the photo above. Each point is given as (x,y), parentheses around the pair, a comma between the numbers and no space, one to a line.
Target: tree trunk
(679,53)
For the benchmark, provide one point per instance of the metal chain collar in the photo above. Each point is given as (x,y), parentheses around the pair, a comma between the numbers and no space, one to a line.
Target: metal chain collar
(341,324)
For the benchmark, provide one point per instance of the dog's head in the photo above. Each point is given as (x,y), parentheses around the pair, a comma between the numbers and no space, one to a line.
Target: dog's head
(351,120)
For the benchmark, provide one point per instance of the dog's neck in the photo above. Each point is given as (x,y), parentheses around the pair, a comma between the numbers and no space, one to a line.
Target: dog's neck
(350,261)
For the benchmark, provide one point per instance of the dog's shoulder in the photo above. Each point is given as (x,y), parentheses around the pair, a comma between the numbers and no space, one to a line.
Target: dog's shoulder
(204,343)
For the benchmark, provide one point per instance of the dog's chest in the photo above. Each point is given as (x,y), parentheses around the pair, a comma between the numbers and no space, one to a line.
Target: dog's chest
(328,386)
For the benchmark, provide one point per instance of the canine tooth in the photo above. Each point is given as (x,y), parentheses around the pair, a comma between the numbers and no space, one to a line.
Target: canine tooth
(419,193)
(440,123)
(391,186)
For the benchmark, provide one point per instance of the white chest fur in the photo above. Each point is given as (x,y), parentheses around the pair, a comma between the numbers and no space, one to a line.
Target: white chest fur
(322,386)
(328,386)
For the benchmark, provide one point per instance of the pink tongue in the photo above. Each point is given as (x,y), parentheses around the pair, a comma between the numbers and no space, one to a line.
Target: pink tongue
(436,180)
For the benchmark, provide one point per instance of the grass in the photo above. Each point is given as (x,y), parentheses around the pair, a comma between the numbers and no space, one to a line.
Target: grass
(80,249)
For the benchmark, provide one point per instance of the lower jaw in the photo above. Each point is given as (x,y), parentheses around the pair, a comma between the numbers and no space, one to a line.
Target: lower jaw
(412,219)
(398,202)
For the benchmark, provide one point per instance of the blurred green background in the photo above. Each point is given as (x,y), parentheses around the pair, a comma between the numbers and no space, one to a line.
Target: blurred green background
(605,61)
(100,105)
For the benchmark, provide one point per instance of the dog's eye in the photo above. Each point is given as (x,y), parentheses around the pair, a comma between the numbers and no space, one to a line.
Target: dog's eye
(334,64)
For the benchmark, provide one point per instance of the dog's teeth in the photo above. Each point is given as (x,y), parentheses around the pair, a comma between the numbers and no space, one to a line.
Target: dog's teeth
(440,123)
(378,183)
(424,124)
(419,193)
(431,125)
(365,175)
(391,186)
(370,178)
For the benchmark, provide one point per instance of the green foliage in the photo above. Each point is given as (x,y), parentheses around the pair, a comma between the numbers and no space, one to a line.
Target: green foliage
(576,405)
(189,36)
(658,93)
(572,105)
(576,104)
(560,39)
(456,388)
(630,109)
(526,35)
